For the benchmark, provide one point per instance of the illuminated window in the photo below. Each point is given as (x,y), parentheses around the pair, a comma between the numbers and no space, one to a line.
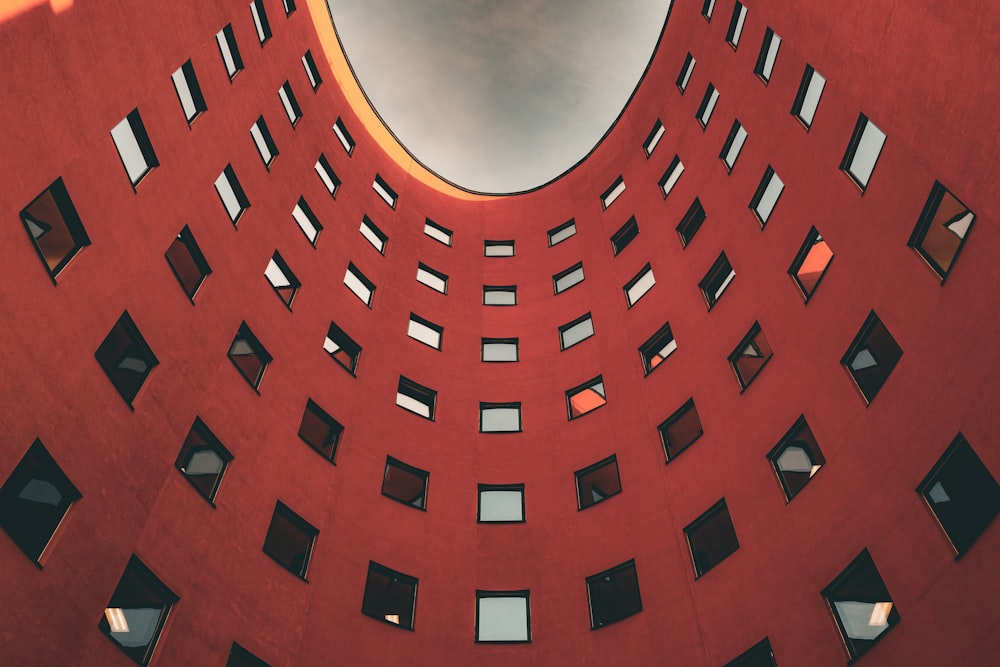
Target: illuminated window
(240,657)
(320,431)
(186,261)
(290,540)
(405,483)
(281,278)
(231,194)
(327,175)
(264,141)
(717,280)
(653,139)
(502,617)
(363,288)
(586,398)
(671,176)
(54,227)
(126,358)
(188,91)
(562,232)
(759,655)
(437,232)
(203,460)
(750,356)
(343,136)
(425,331)
(312,72)
(734,144)
(500,349)
(249,356)
(501,503)
(307,221)
(863,152)
(135,615)
(861,604)
(342,348)
(597,482)
(613,595)
(624,236)
(796,458)
(636,288)
(498,248)
(134,147)
(383,190)
(807,98)
(436,280)
(576,331)
(941,230)
(707,106)
(766,197)
(711,538)
(691,222)
(659,346)
(680,430)
(685,75)
(373,234)
(499,417)
(736,25)
(768,55)
(811,263)
(495,295)
(229,51)
(291,105)
(390,596)
(616,189)
(416,398)
(563,280)
(871,357)
(260,21)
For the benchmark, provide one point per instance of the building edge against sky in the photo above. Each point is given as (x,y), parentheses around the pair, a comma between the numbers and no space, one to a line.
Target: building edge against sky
(250,397)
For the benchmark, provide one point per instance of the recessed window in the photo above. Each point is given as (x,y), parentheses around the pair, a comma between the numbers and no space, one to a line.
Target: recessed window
(312,72)
(861,604)
(260,21)
(498,248)
(416,398)
(624,236)
(327,175)
(34,500)
(766,197)
(501,503)
(240,657)
(736,25)
(586,398)
(187,262)
(342,348)
(711,538)
(203,460)
(576,331)
(691,222)
(134,147)
(425,331)
(707,8)
(291,105)
(563,280)
(811,263)
(863,152)
(796,458)
(680,430)
(383,190)
(941,230)
(188,91)
(759,655)
(249,356)
(636,288)
(499,417)
(289,6)
(307,221)
(126,358)
(750,356)
(437,232)
(500,349)
(613,595)
(686,70)
(962,494)
(500,295)
(229,51)
(264,141)
(609,196)
(405,483)
(717,280)
(734,144)
(54,227)
(284,282)
(768,54)
(290,540)
(871,357)
(562,232)
(597,482)
(707,106)
(320,431)
(134,617)
(436,280)
(363,288)
(343,136)
(654,138)
(671,176)
(390,596)
(502,617)
(659,346)
(807,98)
(231,194)
(375,236)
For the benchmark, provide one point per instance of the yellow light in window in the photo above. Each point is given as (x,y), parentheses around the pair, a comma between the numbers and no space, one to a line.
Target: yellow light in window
(392,618)
(880,614)
(116,619)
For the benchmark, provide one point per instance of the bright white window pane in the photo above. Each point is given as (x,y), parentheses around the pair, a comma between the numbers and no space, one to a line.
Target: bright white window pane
(356,285)
(772,55)
(227,54)
(640,287)
(500,420)
(309,72)
(425,334)
(305,224)
(710,107)
(326,177)
(687,73)
(577,333)
(262,147)
(736,146)
(811,99)
(867,153)
(184,93)
(386,196)
(500,351)
(563,283)
(671,180)
(372,236)
(342,136)
(770,197)
(287,103)
(261,35)
(501,506)
(562,234)
(738,29)
(725,284)
(503,619)
(437,234)
(276,276)
(655,139)
(499,297)
(616,192)
(666,350)
(500,250)
(228,196)
(431,280)
(708,8)
(128,149)
(413,405)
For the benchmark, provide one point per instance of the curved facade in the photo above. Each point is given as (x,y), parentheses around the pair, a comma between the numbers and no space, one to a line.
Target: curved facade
(886,361)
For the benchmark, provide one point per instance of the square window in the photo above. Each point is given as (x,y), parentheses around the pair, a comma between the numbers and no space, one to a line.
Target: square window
(861,604)
(686,70)
(613,595)
(616,189)
(671,176)
(249,356)
(941,230)
(34,500)
(290,540)
(342,348)
(229,51)
(425,331)
(54,227)
(576,331)
(563,280)
(502,617)
(240,657)
(343,136)
(707,8)
(691,222)
(796,458)
(260,21)
(383,190)
(871,357)
(135,615)
(680,430)
(636,288)
(659,346)
(734,144)
(759,655)
(586,398)
(711,538)
(327,175)
(373,234)
(281,278)
(416,398)
(405,483)
(307,221)
(436,280)
(264,142)
(231,193)
(717,280)
(624,236)
(501,503)
(390,596)
(807,97)
(707,106)
(863,152)
(126,358)
(498,248)
(437,232)
(962,494)
(320,431)
(597,482)
(203,460)
(363,288)
(291,105)
(562,232)
(134,147)
(654,137)
(768,54)
(736,25)
(188,91)
(497,295)
(766,197)
(750,356)
(499,417)
(312,72)
(811,263)
(500,349)
(187,262)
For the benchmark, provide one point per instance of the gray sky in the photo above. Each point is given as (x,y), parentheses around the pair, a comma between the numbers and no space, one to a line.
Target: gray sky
(498,95)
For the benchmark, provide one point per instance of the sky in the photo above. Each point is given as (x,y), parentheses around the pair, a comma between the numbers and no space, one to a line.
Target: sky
(499,95)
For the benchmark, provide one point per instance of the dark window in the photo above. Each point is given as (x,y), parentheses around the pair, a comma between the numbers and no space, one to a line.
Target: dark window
(586,398)
(187,262)
(240,657)
(499,417)
(327,175)
(500,349)
(861,604)
(137,611)
(559,234)
(498,248)
(750,356)
(597,482)
(767,194)
(264,141)
(203,460)
(188,91)
(768,55)
(416,398)
(390,596)
(707,106)
(863,152)
(811,263)
(796,458)
(636,288)
(613,595)
(736,25)
(126,358)
(34,500)
(941,230)
(614,191)
(563,280)
(289,6)
(290,540)
(649,145)
(871,357)
(808,95)
(234,199)
(345,138)
(759,655)
(373,234)
(671,176)
(229,51)
(342,348)
(281,278)
(624,236)
(54,227)
(962,494)
(501,503)
(685,74)
(733,146)
(437,232)
(292,108)
(680,430)
(499,295)
(711,538)
(260,21)
(320,431)
(356,281)
(717,280)
(383,190)
(502,617)
(659,346)
(691,222)
(576,331)
(249,356)
(307,221)
(312,72)
(405,483)
(134,147)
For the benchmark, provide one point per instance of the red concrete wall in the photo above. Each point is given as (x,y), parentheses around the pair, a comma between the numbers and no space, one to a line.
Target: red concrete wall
(924,75)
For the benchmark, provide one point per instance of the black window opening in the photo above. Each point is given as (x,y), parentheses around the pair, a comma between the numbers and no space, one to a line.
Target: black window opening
(680,430)
(649,145)
(390,596)
(231,193)
(711,538)
(811,263)
(240,657)
(613,595)
(229,51)
(499,417)
(624,236)
(671,176)
(567,278)
(126,358)
(685,74)
(498,248)
(586,398)
(758,655)
(134,617)
(342,348)
(750,356)
(500,503)
(707,8)
(203,460)
(559,234)
(34,500)
(941,230)
(312,72)
(249,356)
(717,280)
(871,357)
(289,6)
(598,482)
(707,106)
(187,262)
(613,192)
(134,147)
(291,105)
(503,617)
(320,431)
(416,398)
(861,605)
(655,350)
(188,92)
(691,222)
(386,193)
(264,142)
(260,21)
(290,540)
(796,458)
(405,483)
(281,278)
(54,227)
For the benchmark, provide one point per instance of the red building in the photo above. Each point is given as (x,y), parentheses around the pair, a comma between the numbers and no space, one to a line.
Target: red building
(749,392)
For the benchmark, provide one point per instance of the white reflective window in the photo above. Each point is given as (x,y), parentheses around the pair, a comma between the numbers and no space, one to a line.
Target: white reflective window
(276,276)
(188,91)
(230,53)
(562,232)
(230,193)
(383,190)
(654,138)
(374,235)
(424,331)
(767,195)
(686,70)
(306,222)
(437,232)
(498,248)
(671,175)
(613,193)
(262,139)
(571,276)
(708,105)
(416,398)
(289,102)
(433,279)
(134,147)
(574,332)
(863,151)
(707,8)
(311,72)
(502,618)
(343,136)
(357,283)
(501,505)
(499,296)
(768,54)
(500,349)
(807,100)
(736,25)
(724,284)
(260,20)
(638,286)
(327,175)
(504,418)
(734,145)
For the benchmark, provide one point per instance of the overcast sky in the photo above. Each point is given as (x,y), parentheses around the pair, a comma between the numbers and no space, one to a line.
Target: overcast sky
(499,95)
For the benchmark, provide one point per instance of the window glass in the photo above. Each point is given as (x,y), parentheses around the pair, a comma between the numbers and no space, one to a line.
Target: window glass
(612,193)
(768,55)
(811,263)
(499,417)
(502,616)
(382,189)
(54,227)
(562,232)
(229,51)
(290,540)
(126,358)
(586,398)
(736,25)
(861,604)
(135,615)
(796,458)
(624,236)
(416,398)
(425,331)
(766,196)
(343,136)
(405,483)
(499,296)
(501,503)
(680,430)
(249,356)
(231,193)
(203,460)
(863,152)
(807,99)
(320,431)
(342,348)
(613,595)
(312,73)
(636,288)
(186,261)
(691,222)
(711,538)
(363,288)
(281,278)
(707,106)
(389,596)
(653,139)
(759,655)
(500,349)
(717,280)
(872,357)
(134,147)
(659,346)
(373,234)
(576,331)
(686,70)
(941,230)
(327,175)
(671,176)
(291,105)
(260,21)
(498,248)
(264,142)
(437,232)
(563,280)
(188,91)
(597,482)
(434,279)
(734,144)
(750,356)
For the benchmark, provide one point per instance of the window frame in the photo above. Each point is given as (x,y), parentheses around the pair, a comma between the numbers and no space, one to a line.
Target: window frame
(244,333)
(345,344)
(714,272)
(68,216)
(212,442)
(394,577)
(812,238)
(384,191)
(687,69)
(736,25)
(290,104)
(564,274)
(752,338)
(500,341)
(689,406)
(444,232)
(764,68)
(582,473)
(638,278)
(654,345)
(592,385)
(165,597)
(624,236)
(236,189)
(792,437)
(555,231)
(614,191)
(627,566)
(892,618)
(382,237)
(335,434)
(736,140)
(502,245)
(186,74)
(649,145)
(135,339)
(419,393)
(138,135)
(703,568)
(308,530)
(436,274)
(486,406)
(323,169)
(266,139)
(569,325)
(707,107)
(231,49)
(707,7)
(293,282)
(519,594)
(857,139)
(186,240)
(923,228)
(436,328)
(505,289)
(344,137)
(312,72)
(762,189)
(424,475)
(802,97)
(872,322)
(488,488)
(691,222)
(306,215)
(670,177)
(261,24)
(360,277)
